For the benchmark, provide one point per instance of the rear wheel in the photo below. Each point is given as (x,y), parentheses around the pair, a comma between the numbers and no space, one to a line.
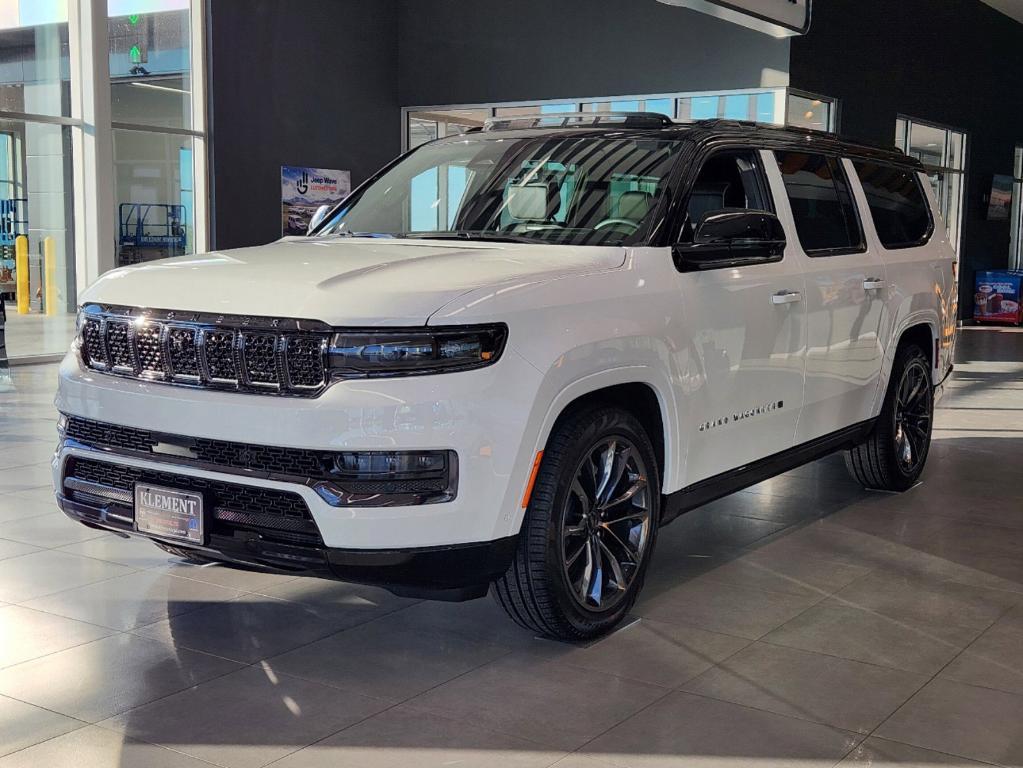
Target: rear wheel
(589,530)
(893,456)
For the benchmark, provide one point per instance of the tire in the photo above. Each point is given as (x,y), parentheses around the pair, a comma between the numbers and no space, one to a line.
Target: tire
(893,455)
(576,518)
(185,554)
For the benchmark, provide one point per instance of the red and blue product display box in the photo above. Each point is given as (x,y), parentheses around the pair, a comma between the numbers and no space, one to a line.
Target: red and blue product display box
(997,297)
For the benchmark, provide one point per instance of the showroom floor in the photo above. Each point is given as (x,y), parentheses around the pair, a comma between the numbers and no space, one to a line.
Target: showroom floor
(802,622)
(37,335)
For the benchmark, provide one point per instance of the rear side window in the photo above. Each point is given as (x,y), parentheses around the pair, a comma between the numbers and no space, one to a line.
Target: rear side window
(822,206)
(897,204)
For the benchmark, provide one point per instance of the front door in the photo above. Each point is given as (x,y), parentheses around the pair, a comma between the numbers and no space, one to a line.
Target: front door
(846,286)
(744,373)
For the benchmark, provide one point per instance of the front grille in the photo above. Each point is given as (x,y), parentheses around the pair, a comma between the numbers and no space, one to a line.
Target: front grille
(293,462)
(265,510)
(119,346)
(257,354)
(182,353)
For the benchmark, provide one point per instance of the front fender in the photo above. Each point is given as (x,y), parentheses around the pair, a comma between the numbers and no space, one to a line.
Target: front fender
(564,384)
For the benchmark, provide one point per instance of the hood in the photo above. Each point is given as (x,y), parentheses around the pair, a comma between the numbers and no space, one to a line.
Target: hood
(341,281)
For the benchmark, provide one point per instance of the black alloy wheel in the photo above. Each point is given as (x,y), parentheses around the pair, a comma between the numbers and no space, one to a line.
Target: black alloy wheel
(589,530)
(605,526)
(892,456)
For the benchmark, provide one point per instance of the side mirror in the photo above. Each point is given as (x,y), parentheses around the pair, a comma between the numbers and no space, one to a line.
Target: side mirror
(318,217)
(732,237)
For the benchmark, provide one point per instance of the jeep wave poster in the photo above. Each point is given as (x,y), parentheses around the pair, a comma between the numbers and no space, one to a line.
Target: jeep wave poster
(303,190)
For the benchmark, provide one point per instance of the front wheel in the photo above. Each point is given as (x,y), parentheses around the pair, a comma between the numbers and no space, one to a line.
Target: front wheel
(589,530)
(893,455)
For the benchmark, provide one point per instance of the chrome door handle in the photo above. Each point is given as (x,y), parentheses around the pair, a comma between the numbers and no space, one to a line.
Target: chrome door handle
(786,297)
(873,284)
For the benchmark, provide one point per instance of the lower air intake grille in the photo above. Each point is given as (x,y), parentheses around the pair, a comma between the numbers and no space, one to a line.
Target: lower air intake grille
(265,510)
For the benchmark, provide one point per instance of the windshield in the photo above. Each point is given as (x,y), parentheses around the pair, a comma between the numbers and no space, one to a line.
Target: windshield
(566,190)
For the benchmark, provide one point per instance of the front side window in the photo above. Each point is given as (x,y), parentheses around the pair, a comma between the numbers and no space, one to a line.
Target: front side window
(897,204)
(821,203)
(572,190)
(727,180)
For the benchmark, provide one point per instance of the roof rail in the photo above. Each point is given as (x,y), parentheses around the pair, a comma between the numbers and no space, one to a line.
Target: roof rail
(579,120)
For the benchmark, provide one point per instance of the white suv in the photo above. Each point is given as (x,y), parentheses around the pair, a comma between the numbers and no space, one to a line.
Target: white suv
(510,357)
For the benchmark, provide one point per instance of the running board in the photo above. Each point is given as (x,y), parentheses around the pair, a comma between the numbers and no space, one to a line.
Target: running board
(713,488)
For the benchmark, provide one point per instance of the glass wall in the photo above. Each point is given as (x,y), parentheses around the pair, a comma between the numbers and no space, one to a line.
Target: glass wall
(429,125)
(55,135)
(151,95)
(36,178)
(775,106)
(153,191)
(813,112)
(943,153)
(34,57)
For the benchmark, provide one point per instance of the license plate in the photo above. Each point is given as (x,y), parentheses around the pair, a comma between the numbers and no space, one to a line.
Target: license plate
(167,512)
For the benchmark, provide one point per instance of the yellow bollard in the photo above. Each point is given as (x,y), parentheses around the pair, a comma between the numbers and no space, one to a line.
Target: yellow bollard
(21,270)
(50,275)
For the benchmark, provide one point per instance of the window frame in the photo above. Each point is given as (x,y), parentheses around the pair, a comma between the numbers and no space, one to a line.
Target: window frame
(835,160)
(1016,214)
(915,174)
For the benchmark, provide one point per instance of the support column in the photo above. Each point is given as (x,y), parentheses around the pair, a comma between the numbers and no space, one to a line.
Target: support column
(200,149)
(95,227)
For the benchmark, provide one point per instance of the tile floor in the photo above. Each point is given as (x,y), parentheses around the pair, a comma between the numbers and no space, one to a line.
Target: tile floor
(802,622)
(36,334)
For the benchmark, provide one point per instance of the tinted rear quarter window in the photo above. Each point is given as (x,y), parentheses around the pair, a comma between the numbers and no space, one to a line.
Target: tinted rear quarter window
(822,206)
(897,204)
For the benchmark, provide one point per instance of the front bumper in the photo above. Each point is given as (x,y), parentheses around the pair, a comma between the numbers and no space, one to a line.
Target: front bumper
(484,416)
(458,572)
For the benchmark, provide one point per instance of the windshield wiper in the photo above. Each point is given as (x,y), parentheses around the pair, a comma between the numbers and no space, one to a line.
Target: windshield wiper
(472,236)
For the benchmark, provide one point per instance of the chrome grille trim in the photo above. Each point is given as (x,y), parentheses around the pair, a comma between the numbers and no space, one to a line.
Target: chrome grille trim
(287,356)
(98,490)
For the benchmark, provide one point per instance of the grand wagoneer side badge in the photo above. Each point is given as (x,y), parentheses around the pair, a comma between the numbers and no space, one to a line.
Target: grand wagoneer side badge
(742,415)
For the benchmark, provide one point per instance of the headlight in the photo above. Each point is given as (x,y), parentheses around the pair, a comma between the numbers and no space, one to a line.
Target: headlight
(355,354)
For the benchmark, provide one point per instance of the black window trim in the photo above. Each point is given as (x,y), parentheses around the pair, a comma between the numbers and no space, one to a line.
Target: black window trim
(915,174)
(845,250)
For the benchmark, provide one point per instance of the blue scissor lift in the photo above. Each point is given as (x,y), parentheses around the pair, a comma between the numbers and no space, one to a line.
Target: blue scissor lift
(150,231)
(13,222)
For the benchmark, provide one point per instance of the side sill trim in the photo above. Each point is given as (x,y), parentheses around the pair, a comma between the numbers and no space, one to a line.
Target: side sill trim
(713,488)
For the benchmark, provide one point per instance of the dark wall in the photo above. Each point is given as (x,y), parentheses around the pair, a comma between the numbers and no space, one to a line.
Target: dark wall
(295,82)
(953,62)
(466,51)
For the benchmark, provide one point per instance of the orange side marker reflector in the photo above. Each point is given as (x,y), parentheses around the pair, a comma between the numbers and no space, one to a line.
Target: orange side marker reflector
(532,479)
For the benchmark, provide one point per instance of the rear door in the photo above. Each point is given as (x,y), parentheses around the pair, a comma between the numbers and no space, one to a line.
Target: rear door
(845,289)
(904,224)
(745,331)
